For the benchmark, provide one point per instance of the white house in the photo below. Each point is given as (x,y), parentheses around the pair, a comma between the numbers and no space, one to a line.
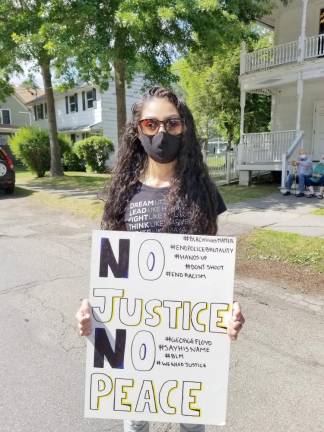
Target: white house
(292,72)
(13,114)
(85,110)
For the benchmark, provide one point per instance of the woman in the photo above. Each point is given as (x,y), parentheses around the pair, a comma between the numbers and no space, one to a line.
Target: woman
(317,179)
(160,169)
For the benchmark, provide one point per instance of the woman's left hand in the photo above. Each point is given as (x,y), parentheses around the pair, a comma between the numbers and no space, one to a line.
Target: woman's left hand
(235,322)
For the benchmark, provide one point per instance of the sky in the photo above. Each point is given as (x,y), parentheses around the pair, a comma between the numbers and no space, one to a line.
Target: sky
(18,79)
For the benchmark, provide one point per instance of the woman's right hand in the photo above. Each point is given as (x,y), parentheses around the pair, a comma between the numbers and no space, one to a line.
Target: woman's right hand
(83,316)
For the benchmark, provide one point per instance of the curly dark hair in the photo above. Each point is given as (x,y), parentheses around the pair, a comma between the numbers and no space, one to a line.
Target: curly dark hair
(192,192)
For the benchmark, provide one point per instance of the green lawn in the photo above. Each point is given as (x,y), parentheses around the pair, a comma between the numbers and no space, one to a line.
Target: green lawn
(70,180)
(319,212)
(95,182)
(89,208)
(268,245)
(236,193)
(216,162)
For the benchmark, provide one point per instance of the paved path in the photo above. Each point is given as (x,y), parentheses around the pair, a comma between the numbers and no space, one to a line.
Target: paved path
(277,368)
(276,212)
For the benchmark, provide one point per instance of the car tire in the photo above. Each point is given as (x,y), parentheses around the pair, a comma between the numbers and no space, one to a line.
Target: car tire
(10,190)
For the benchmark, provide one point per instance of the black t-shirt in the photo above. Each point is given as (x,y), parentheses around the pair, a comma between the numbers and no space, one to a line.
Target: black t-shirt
(146,211)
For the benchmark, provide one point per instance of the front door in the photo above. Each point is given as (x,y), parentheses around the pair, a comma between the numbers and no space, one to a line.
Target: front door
(318,144)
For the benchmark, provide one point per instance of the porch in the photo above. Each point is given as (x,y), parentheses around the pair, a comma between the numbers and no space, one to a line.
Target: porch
(267,151)
(308,48)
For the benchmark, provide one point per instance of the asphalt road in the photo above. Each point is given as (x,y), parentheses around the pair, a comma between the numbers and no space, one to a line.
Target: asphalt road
(277,365)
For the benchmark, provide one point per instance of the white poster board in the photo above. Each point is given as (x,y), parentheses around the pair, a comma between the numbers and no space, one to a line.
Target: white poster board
(159,349)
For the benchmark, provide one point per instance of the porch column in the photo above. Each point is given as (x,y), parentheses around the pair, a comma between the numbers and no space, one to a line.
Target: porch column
(301,45)
(243,58)
(300,93)
(243,102)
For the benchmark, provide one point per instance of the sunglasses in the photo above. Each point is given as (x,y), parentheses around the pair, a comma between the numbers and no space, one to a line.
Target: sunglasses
(172,125)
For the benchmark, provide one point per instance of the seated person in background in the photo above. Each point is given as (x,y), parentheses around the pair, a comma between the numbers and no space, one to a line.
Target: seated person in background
(317,179)
(304,171)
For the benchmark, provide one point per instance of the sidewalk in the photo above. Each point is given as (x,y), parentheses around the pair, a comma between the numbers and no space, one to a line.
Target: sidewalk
(276,212)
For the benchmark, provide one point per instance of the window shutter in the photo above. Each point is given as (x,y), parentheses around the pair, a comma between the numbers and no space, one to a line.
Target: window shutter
(94,94)
(83,101)
(45,106)
(67,104)
(76,101)
(35,112)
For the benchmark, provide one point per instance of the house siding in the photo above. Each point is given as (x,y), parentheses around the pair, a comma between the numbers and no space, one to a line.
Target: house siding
(109,108)
(284,109)
(16,109)
(105,112)
(288,21)
(89,116)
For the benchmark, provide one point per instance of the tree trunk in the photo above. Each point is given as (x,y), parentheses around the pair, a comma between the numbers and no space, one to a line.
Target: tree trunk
(56,165)
(119,65)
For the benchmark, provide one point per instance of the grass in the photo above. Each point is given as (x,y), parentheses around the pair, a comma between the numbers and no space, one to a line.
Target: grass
(236,193)
(76,181)
(216,162)
(92,183)
(89,208)
(70,180)
(268,245)
(319,212)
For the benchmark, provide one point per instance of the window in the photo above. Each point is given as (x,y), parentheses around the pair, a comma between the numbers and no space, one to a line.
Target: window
(4,116)
(321,23)
(73,103)
(91,98)
(321,32)
(40,111)
(4,140)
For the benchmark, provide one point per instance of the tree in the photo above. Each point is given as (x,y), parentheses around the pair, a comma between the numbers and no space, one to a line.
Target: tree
(25,29)
(211,89)
(30,83)
(116,38)
(5,87)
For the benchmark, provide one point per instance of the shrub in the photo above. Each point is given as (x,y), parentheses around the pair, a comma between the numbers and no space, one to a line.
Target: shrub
(71,161)
(32,146)
(95,151)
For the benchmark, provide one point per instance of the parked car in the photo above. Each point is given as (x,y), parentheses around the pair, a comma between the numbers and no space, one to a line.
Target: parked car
(7,170)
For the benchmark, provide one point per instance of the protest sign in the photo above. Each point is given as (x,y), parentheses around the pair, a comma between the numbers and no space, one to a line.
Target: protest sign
(159,349)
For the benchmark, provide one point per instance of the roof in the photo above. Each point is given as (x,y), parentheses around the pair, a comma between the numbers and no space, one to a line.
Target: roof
(4,128)
(81,128)
(27,95)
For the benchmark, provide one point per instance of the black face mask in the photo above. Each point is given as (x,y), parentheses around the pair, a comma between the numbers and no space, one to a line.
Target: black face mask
(163,147)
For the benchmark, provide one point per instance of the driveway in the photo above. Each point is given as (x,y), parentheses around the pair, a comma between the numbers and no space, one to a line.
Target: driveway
(277,367)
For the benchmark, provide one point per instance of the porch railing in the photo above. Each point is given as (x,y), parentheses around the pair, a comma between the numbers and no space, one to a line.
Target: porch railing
(270,57)
(286,53)
(314,46)
(265,147)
